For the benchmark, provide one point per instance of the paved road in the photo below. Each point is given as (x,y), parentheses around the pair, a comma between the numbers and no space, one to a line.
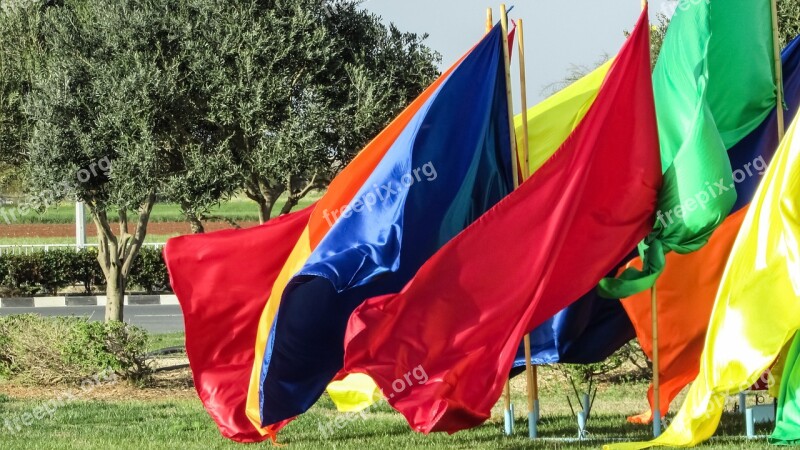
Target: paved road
(153,318)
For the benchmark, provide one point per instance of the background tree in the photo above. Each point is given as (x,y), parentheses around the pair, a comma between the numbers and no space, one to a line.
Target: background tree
(21,56)
(110,89)
(298,86)
(190,101)
(789,20)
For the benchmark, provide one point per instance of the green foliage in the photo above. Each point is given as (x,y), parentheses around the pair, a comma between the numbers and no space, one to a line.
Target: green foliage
(149,271)
(52,271)
(297,87)
(114,346)
(191,101)
(628,364)
(789,20)
(47,272)
(47,350)
(22,273)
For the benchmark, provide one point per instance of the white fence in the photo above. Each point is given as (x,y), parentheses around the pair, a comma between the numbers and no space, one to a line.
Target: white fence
(28,249)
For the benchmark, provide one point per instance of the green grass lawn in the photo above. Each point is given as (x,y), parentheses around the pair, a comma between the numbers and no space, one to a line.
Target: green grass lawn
(238,209)
(166,340)
(183,424)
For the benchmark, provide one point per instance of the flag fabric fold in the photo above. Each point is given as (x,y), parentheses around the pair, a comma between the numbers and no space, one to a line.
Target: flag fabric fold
(592,328)
(222,281)
(714,84)
(757,309)
(459,321)
(690,282)
(441,165)
(586,332)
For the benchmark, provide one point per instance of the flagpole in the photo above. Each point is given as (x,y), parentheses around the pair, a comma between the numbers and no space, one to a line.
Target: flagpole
(656,377)
(508,414)
(656,365)
(776,44)
(507,57)
(533,391)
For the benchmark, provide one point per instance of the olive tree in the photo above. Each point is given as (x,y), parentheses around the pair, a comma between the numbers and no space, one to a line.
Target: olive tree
(111,119)
(298,86)
(122,103)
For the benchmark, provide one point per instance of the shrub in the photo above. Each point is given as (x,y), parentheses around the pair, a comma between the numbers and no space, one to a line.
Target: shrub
(23,273)
(149,272)
(52,271)
(56,269)
(89,274)
(69,350)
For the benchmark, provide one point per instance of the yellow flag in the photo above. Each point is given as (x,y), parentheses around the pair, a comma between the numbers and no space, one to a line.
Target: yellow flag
(757,309)
(552,121)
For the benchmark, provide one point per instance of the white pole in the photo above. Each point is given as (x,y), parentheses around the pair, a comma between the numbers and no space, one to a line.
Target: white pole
(80,226)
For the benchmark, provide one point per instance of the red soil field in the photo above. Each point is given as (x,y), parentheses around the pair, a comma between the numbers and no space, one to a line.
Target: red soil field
(68,230)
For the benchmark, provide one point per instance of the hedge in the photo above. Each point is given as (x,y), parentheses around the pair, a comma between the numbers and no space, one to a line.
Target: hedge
(55,270)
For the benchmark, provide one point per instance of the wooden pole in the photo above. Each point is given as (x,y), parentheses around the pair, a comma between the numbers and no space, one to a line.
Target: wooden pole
(776,44)
(507,57)
(508,415)
(523,88)
(656,377)
(533,391)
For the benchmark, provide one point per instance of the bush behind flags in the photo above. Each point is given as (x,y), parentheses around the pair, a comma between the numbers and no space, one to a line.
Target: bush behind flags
(714,84)
(757,310)
(462,316)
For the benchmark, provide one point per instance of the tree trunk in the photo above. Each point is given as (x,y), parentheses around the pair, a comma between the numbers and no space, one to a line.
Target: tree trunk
(295,195)
(116,254)
(264,210)
(265,198)
(291,202)
(108,258)
(115,294)
(195,224)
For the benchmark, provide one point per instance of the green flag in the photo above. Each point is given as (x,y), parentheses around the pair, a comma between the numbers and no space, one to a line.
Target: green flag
(714,84)
(787,418)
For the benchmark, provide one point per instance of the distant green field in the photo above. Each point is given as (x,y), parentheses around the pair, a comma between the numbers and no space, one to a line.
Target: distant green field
(238,209)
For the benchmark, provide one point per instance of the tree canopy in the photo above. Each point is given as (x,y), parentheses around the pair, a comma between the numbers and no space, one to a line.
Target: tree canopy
(120,103)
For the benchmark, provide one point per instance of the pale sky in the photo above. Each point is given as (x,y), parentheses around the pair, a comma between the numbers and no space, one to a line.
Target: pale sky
(558,33)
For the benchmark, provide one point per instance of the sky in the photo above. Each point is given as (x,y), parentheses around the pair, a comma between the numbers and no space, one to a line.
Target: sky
(558,33)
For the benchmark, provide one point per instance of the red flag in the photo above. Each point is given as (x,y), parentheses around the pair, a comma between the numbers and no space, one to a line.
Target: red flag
(441,349)
(222,281)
